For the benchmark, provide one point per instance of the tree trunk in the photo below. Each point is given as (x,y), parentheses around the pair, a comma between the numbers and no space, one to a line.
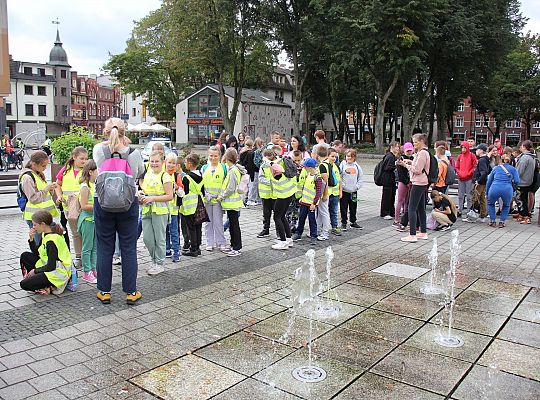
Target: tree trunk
(298,93)
(224,107)
(382,98)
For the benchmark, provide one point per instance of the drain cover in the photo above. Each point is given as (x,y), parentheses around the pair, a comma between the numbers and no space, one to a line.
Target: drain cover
(449,341)
(309,374)
(328,311)
(431,290)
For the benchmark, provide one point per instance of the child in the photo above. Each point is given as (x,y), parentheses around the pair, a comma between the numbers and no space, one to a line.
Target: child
(213,176)
(443,210)
(179,194)
(157,192)
(85,223)
(231,200)
(323,214)
(265,189)
(172,235)
(334,190)
(192,183)
(311,192)
(67,190)
(351,181)
(284,189)
(47,267)
(443,163)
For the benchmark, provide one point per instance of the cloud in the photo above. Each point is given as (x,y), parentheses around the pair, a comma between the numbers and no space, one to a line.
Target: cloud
(531,10)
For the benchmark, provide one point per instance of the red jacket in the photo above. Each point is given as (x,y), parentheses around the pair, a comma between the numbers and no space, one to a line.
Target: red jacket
(466,163)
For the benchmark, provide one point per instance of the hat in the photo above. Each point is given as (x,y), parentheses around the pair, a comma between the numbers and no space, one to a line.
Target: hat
(497,140)
(310,163)
(276,169)
(408,146)
(482,146)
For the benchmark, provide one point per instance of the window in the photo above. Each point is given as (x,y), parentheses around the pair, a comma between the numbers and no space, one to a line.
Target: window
(133,112)
(461,106)
(28,70)
(63,73)
(535,125)
(478,123)
(459,122)
(29,110)
(508,124)
(8,109)
(41,71)
(28,89)
(517,123)
(55,111)
(64,111)
(63,91)
(486,121)
(42,110)
(41,91)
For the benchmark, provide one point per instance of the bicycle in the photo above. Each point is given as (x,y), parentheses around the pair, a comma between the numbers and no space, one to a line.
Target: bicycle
(19,158)
(5,159)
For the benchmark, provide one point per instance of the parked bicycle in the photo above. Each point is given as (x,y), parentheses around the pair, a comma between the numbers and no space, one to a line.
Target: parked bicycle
(13,160)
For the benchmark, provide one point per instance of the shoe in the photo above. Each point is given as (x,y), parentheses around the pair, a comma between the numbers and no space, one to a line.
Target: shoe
(282,245)
(199,253)
(251,203)
(313,241)
(335,231)
(502,224)
(264,233)
(482,220)
(155,269)
(105,298)
(209,248)
(89,277)
(409,239)
(493,224)
(525,221)
(343,227)
(423,236)
(355,225)
(191,253)
(470,221)
(444,228)
(322,238)
(296,237)
(168,254)
(176,258)
(132,298)
(78,263)
(387,217)
(465,219)
(395,223)
(234,253)
(401,228)
(459,214)
(117,260)
(290,242)
(94,272)
(224,249)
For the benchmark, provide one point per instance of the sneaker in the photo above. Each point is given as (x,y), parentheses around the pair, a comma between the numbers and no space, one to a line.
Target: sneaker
(296,237)
(313,241)
(482,220)
(322,238)
(117,260)
(155,269)
(423,236)
(343,227)
(251,203)
(525,221)
(409,239)
(89,277)
(78,263)
(444,228)
(355,225)
(336,231)
(176,258)
(199,252)
(465,219)
(209,248)
(224,249)
(168,254)
(191,253)
(94,272)
(132,298)
(281,245)
(234,253)
(395,223)
(264,233)
(493,224)
(502,224)
(104,297)
(387,217)
(459,214)
(290,242)
(401,228)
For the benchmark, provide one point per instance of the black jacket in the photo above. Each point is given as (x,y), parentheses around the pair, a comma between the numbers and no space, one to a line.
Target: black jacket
(403,173)
(389,168)
(482,170)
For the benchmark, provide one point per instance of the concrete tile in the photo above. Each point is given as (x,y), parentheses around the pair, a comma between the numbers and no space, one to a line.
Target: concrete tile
(528,311)
(17,392)
(380,281)
(17,346)
(49,395)
(45,366)
(522,332)
(409,306)
(250,389)
(72,358)
(475,321)
(400,270)
(500,288)
(514,358)
(492,303)
(359,295)
(16,375)
(16,360)
(47,382)
(325,311)
(75,372)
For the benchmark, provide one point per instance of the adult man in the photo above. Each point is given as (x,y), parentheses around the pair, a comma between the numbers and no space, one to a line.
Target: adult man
(320,137)
(472,144)
(275,138)
(526,166)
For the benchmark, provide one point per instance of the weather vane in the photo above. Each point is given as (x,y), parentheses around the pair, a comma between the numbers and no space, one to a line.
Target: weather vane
(55,22)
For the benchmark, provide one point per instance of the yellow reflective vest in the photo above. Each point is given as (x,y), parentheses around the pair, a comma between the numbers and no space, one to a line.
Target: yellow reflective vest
(308,189)
(334,190)
(234,200)
(213,180)
(70,184)
(190,200)
(59,276)
(152,185)
(46,204)
(284,187)
(265,191)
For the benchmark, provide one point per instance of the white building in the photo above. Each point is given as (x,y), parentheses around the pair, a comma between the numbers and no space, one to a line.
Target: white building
(199,120)
(134,109)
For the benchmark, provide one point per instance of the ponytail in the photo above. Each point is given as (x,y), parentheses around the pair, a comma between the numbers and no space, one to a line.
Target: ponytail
(115,130)
(56,228)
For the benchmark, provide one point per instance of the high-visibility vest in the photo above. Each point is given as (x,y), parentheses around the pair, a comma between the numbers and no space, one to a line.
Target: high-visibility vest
(190,200)
(334,190)
(88,215)
(152,185)
(70,184)
(309,189)
(173,204)
(59,276)
(213,181)
(234,200)
(47,203)
(265,191)
(283,187)
(301,179)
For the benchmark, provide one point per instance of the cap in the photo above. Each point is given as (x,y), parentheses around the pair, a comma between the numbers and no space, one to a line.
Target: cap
(310,163)
(497,140)
(408,146)
(482,146)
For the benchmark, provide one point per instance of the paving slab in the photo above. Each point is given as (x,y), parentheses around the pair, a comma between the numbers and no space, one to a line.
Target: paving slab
(187,377)
(380,281)
(462,280)
(409,306)
(413,290)
(251,389)
(522,332)
(514,358)
(359,295)
(493,303)
(401,270)
(500,288)
(375,387)
(528,311)
(330,311)
(475,321)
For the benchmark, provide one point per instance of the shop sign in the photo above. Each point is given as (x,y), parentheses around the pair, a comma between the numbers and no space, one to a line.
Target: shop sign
(204,121)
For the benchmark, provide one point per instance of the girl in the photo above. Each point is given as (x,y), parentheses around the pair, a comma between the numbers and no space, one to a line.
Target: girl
(221,142)
(192,183)
(404,187)
(180,193)
(213,175)
(172,238)
(36,190)
(231,200)
(85,223)
(48,266)
(67,191)
(241,141)
(156,193)
(389,181)
(351,178)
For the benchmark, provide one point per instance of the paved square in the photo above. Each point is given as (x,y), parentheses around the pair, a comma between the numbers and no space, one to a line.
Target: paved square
(401,270)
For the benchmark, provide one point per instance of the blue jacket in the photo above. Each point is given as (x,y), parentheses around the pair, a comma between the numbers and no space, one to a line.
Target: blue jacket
(498,177)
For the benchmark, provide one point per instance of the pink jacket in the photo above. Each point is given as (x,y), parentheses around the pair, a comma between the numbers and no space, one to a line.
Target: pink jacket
(420,168)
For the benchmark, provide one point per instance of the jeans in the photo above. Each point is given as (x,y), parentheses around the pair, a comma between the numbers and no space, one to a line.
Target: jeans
(283,228)
(107,225)
(234,227)
(464,191)
(304,212)
(417,203)
(387,201)
(172,237)
(498,193)
(402,200)
(333,207)
(346,203)
(214,229)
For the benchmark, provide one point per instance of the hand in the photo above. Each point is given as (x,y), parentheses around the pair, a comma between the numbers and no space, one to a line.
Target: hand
(147,199)
(408,162)
(50,187)
(312,207)
(180,192)
(31,233)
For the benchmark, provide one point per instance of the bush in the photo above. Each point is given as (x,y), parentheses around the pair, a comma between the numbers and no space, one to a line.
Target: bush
(203,159)
(134,137)
(63,145)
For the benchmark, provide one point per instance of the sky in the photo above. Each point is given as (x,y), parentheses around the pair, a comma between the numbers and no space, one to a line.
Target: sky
(91,29)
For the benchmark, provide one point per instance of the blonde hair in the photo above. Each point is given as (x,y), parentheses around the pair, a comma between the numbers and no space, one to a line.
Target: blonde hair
(258,142)
(231,155)
(214,148)
(157,153)
(89,166)
(248,143)
(170,157)
(115,129)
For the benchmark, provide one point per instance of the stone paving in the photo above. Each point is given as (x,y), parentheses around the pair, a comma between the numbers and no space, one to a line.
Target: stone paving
(211,327)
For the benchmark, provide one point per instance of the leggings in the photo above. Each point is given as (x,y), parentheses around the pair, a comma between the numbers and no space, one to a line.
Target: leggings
(38,281)
(282,225)
(402,200)
(498,193)
(417,203)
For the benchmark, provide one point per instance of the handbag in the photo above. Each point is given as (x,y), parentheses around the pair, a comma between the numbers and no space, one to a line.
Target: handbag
(514,186)
(200,215)
(73,208)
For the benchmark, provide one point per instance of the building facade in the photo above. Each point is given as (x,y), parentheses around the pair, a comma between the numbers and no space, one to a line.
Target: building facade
(134,109)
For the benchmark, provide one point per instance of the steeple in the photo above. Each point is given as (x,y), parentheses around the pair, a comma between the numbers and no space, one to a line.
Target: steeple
(58,55)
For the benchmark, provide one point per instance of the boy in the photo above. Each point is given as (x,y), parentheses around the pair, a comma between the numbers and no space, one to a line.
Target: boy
(265,189)
(334,190)
(465,165)
(479,177)
(323,214)
(192,183)
(311,192)
(440,185)
(180,193)
(442,211)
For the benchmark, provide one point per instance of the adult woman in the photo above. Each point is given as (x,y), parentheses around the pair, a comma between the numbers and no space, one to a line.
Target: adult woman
(241,140)
(253,169)
(36,189)
(418,169)
(526,166)
(108,224)
(232,142)
(389,181)
(221,142)
(297,144)
(499,187)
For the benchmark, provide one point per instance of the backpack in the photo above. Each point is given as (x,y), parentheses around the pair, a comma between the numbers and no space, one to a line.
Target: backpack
(21,196)
(258,157)
(243,185)
(433,173)
(451,175)
(291,170)
(115,184)
(378,173)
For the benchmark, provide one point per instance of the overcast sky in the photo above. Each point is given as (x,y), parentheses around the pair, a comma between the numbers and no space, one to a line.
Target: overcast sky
(90,29)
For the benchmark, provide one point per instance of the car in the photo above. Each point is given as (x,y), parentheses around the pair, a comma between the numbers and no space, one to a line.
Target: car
(148,148)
